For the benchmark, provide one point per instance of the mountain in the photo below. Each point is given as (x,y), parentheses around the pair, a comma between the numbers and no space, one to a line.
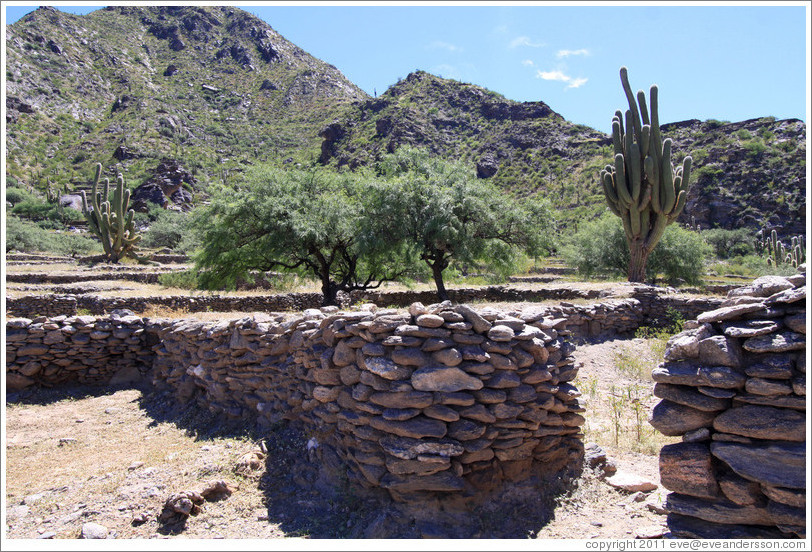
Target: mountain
(750,173)
(215,89)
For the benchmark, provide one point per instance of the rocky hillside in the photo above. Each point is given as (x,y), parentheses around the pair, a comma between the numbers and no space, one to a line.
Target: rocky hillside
(214,87)
(211,90)
(750,173)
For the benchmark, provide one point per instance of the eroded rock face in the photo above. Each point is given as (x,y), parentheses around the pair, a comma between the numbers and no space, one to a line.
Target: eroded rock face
(737,397)
(166,188)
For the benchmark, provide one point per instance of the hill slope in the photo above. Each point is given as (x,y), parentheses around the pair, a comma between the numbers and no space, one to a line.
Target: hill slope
(215,87)
(750,173)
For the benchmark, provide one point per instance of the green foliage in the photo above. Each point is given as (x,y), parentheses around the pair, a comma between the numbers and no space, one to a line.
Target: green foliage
(642,187)
(170,229)
(25,236)
(599,249)
(47,214)
(310,222)
(729,243)
(19,195)
(443,214)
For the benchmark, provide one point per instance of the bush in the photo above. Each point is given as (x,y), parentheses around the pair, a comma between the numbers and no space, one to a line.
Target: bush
(169,229)
(599,248)
(729,243)
(19,195)
(26,236)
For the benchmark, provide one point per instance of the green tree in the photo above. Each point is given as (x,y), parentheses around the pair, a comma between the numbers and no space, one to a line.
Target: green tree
(441,213)
(642,187)
(311,222)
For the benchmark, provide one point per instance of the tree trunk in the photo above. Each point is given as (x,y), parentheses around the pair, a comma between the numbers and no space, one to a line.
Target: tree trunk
(437,273)
(638,256)
(329,292)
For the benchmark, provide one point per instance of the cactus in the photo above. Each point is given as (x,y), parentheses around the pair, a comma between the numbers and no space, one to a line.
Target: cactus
(112,221)
(643,187)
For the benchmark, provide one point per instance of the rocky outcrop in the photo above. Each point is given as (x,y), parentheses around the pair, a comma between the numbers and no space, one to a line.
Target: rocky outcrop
(168,187)
(734,387)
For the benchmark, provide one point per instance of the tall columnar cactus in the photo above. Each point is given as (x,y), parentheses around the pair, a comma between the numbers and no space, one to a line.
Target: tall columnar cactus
(643,187)
(112,221)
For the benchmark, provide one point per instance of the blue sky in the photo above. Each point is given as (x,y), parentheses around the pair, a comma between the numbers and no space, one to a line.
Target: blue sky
(723,61)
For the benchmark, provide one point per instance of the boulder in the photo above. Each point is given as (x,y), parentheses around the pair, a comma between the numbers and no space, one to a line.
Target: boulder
(687,468)
(762,422)
(674,419)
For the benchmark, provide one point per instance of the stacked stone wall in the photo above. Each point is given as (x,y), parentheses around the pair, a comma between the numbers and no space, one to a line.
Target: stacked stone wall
(734,387)
(443,400)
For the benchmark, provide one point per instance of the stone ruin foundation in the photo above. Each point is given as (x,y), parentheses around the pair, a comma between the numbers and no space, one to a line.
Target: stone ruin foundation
(733,385)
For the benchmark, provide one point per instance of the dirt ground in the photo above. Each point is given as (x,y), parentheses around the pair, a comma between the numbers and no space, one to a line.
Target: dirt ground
(113,458)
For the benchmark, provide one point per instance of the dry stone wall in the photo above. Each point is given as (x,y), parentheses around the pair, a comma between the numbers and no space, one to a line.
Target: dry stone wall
(734,387)
(441,401)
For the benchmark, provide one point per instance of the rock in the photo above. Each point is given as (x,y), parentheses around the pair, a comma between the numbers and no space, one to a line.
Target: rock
(429,321)
(15,381)
(444,481)
(727,313)
(783,514)
(649,532)
(410,357)
(697,435)
(764,286)
(796,322)
(781,401)
(739,490)
(448,357)
(444,379)
(790,497)
(387,369)
(416,428)
(771,366)
(409,449)
(674,419)
(480,325)
(787,296)
(398,466)
(164,186)
(717,511)
(779,465)
(466,430)
(749,328)
(688,396)
(500,333)
(630,482)
(690,373)
(687,527)
(776,343)
(404,399)
(759,386)
(441,412)
(94,531)
(721,350)
(685,345)
(762,422)
(687,468)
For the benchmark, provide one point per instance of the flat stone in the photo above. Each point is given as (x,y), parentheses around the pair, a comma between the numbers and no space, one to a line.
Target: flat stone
(479,413)
(799,385)
(500,333)
(674,419)
(441,412)
(716,392)
(374,349)
(776,343)
(399,414)
(416,428)
(457,398)
(444,481)
(728,313)
(506,411)
(787,296)
(448,357)
(739,490)
(762,422)
(778,465)
(409,449)
(784,514)
(504,380)
(480,324)
(691,373)
(402,341)
(773,366)
(791,497)
(749,328)
(688,396)
(406,399)
(398,466)
(649,532)
(687,468)
(474,353)
(410,356)
(430,321)
(445,379)
(685,345)
(796,322)
(764,286)
(760,386)
(630,482)
(717,511)
(387,369)
(537,374)
(688,527)
(720,350)
(465,430)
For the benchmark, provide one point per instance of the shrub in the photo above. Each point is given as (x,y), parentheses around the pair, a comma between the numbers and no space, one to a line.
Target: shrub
(16,196)
(599,248)
(729,243)
(26,236)
(169,229)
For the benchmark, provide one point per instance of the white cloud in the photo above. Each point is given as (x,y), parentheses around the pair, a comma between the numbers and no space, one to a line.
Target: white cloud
(567,53)
(525,41)
(553,76)
(440,45)
(577,83)
(528,63)
(561,76)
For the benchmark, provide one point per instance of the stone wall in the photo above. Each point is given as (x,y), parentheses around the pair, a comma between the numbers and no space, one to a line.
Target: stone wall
(734,387)
(443,400)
